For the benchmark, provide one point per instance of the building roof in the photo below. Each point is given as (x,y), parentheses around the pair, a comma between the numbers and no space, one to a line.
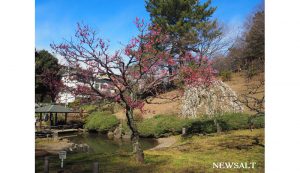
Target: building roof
(53,109)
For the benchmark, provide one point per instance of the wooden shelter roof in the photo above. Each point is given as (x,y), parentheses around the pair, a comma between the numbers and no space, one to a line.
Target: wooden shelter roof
(53,109)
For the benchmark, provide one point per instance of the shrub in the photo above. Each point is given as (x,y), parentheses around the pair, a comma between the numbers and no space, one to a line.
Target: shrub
(226,75)
(258,121)
(75,104)
(201,126)
(108,107)
(101,122)
(160,125)
(89,108)
(233,121)
(229,121)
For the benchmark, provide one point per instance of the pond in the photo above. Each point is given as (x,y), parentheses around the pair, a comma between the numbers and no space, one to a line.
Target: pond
(107,152)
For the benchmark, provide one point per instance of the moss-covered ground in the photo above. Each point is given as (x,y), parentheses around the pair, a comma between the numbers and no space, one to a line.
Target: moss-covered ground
(189,154)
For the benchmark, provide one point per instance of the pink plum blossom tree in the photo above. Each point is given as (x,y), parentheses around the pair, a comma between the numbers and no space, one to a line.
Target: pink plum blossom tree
(134,71)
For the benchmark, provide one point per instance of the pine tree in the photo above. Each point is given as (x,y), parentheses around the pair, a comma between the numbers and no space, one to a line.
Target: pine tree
(187,22)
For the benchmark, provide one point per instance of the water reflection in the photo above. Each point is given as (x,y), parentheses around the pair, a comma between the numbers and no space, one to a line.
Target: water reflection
(99,143)
(101,149)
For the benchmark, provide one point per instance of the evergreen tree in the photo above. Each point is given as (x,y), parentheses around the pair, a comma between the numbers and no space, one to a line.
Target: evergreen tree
(255,39)
(188,24)
(45,63)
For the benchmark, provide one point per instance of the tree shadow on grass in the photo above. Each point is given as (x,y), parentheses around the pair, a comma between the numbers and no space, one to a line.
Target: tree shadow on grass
(241,142)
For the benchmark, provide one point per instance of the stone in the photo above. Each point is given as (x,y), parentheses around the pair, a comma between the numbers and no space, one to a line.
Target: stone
(79,148)
(118,133)
(55,136)
(127,135)
(74,147)
(85,147)
(183,132)
(110,135)
(64,140)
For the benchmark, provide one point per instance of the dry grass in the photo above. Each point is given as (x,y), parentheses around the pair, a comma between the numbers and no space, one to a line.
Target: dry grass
(165,105)
(169,106)
(49,145)
(241,85)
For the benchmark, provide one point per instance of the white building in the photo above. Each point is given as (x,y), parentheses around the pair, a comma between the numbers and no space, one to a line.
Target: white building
(103,84)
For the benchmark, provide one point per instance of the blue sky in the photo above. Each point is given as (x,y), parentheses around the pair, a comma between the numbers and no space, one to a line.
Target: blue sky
(113,19)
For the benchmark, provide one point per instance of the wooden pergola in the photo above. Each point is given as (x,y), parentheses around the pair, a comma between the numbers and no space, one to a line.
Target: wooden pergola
(53,110)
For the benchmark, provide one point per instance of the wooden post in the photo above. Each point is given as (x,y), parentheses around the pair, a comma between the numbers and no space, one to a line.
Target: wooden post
(96,167)
(55,122)
(51,120)
(40,121)
(46,165)
(66,118)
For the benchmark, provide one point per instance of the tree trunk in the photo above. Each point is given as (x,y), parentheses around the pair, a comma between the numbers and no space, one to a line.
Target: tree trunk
(42,98)
(55,121)
(170,84)
(137,150)
(51,120)
(66,114)
(40,121)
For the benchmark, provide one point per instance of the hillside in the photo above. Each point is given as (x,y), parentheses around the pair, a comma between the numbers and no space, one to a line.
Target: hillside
(169,103)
